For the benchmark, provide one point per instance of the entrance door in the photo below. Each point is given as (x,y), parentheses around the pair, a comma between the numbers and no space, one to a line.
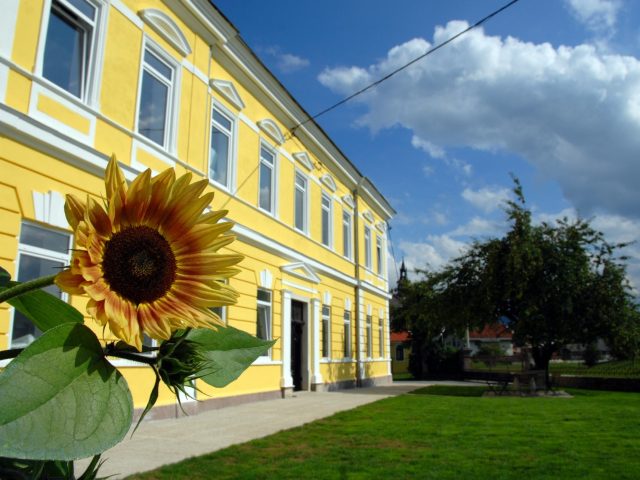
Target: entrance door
(297,330)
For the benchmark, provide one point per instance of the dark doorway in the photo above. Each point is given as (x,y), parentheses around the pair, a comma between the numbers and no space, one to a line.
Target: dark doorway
(297,336)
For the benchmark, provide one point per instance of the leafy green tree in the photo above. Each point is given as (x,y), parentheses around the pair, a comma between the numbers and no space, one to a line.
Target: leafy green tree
(552,284)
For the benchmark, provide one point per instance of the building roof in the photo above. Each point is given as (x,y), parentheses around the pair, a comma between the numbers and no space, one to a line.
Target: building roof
(400,336)
(491,331)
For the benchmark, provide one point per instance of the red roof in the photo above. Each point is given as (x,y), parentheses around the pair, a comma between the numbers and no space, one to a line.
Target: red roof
(400,336)
(491,331)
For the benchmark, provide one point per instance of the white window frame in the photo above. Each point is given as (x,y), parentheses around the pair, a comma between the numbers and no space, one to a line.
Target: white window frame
(305,201)
(326,334)
(274,177)
(92,59)
(45,254)
(379,256)
(233,145)
(347,334)
(369,336)
(347,224)
(367,247)
(269,305)
(329,212)
(173,97)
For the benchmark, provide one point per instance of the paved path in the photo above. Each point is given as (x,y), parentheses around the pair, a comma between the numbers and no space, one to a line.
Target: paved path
(159,442)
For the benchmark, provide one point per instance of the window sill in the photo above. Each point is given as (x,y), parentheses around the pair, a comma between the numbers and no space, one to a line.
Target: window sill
(266,361)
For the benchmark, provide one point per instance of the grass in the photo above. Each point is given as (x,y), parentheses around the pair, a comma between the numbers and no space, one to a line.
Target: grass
(616,368)
(619,368)
(594,435)
(451,391)
(403,376)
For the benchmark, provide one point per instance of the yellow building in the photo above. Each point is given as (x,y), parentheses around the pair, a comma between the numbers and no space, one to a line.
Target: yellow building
(172,84)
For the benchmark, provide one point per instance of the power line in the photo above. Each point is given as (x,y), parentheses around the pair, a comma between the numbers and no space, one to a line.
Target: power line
(397,70)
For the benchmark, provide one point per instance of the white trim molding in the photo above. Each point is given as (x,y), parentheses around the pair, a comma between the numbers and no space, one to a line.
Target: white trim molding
(326,298)
(49,208)
(301,270)
(228,91)
(266,279)
(164,26)
(270,127)
(381,226)
(304,159)
(347,304)
(368,216)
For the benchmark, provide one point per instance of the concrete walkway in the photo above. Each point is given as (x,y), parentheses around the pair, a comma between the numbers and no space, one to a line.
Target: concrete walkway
(160,442)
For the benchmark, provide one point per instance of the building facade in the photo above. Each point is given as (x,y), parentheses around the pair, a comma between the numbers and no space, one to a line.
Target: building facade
(172,84)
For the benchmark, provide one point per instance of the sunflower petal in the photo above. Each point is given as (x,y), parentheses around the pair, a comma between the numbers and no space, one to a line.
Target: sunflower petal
(114,180)
(74,210)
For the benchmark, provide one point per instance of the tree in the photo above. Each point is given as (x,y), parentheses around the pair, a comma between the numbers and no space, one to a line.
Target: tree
(551,284)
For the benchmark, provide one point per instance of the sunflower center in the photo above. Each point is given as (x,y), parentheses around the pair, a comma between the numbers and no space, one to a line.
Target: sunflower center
(138,264)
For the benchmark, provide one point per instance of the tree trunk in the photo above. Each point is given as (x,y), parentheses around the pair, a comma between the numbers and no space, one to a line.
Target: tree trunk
(541,357)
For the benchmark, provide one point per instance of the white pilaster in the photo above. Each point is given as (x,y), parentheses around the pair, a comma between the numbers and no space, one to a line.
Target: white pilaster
(315,322)
(359,334)
(286,380)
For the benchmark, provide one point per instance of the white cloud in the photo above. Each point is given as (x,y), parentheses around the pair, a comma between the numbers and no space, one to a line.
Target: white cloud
(479,227)
(573,112)
(598,15)
(486,199)
(434,151)
(432,254)
(287,62)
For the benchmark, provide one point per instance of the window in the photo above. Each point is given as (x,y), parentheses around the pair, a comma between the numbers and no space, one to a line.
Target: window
(347,334)
(399,353)
(156,96)
(380,337)
(367,247)
(40,252)
(379,259)
(220,156)
(369,337)
(347,234)
(300,203)
(326,331)
(69,45)
(263,327)
(327,214)
(267,167)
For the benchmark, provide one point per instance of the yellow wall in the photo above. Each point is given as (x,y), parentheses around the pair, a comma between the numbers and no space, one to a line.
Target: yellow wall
(86,132)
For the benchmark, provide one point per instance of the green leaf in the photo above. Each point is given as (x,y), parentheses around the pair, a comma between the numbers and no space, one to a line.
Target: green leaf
(4,277)
(43,309)
(230,351)
(61,399)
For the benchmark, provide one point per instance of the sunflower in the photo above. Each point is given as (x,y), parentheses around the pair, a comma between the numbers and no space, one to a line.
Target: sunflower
(149,259)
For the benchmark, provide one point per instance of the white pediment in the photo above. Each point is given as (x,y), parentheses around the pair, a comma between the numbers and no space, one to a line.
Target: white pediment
(348,199)
(328,181)
(269,127)
(228,91)
(164,26)
(301,270)
(347,304)
(382,226)
(368,216)
(303,159)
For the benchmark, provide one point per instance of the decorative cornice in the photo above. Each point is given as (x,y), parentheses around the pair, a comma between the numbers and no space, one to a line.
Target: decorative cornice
(304,160)
(164,26)
(328,181)
(270,127)
(228,91)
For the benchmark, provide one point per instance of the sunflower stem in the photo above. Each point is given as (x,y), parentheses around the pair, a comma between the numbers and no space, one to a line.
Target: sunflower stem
(12,353)
(132,356)
(25,287)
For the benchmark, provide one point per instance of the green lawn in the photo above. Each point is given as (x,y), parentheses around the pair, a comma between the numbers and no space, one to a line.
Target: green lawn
(444,436)
(618,368)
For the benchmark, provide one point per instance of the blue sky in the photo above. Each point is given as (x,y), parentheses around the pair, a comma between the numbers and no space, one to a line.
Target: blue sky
(549,90)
